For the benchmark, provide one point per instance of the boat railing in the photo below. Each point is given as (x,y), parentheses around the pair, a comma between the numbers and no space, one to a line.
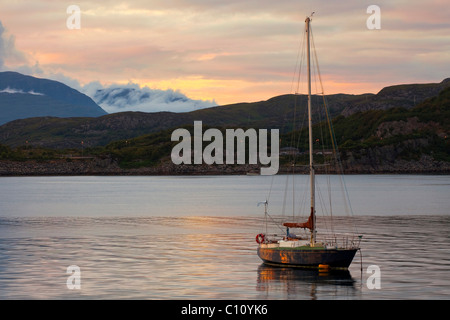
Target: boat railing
(345,241)
(342,241)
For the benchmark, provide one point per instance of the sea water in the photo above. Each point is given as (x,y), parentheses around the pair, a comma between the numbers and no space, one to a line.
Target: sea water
(194,238)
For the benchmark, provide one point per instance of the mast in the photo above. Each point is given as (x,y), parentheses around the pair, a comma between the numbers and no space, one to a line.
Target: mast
(311,162)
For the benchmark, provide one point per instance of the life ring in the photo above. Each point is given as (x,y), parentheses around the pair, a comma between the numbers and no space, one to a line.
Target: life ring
(260,238)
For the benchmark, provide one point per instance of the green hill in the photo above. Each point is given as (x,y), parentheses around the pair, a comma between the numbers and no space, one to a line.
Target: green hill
(368,138)
(396,140)
(403,138)
(280,112)
(54,132)
(371,139)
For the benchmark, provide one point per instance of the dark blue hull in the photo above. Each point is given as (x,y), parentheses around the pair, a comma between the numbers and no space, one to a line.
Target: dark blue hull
(309,258)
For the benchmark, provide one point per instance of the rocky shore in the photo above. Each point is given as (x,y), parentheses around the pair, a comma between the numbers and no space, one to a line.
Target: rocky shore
(108,166)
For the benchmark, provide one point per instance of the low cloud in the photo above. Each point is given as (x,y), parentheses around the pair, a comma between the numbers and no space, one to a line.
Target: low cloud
(232,51)
(15,91)
(132,97)
(112,98)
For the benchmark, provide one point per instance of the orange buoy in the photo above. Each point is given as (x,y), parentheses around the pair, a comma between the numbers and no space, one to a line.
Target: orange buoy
(324,267)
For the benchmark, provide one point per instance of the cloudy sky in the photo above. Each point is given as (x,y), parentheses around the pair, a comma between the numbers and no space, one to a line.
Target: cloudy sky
(225,51)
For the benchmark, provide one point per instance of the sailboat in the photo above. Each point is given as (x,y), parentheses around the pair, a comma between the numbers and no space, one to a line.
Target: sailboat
(290,250)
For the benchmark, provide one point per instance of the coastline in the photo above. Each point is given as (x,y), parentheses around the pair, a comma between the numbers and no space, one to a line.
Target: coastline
(108,166)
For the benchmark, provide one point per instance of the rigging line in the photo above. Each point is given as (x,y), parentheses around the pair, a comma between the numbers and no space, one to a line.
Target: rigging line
(293,156)
(303,200)
(324,208)
(321,142)
(300,57)
(333,138)
(293,196)
(285,123)
(300,52)
(340,172)
(301,61)
(294,120)
(305,109)
(275,222)
(299,65)
(301,131)
(301,126)
(285,195)
(316,63)
(270,189)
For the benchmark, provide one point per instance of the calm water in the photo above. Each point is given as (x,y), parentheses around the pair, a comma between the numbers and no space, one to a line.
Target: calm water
(194,238)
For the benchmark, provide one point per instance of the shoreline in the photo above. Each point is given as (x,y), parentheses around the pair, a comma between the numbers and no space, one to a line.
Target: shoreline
(109,167)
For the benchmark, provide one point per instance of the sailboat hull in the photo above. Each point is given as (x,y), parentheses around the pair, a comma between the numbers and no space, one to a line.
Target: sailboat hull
(311,258)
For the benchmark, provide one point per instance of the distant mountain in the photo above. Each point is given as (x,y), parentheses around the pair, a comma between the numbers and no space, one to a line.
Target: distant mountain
(278,112)
(24,97)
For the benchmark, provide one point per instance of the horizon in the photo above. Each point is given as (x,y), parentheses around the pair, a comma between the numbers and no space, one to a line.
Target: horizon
(14,90)
(219,54)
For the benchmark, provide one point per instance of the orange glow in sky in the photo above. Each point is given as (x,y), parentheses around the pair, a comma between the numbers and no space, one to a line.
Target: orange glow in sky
(227,52)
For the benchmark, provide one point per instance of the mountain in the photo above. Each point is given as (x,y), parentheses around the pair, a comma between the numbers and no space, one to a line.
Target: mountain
(52,132)
(404,96)
(278,112)
(24,97)
(395,140)
(398,140)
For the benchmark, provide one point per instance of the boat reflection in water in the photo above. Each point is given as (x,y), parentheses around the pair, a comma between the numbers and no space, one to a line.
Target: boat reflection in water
(314,283)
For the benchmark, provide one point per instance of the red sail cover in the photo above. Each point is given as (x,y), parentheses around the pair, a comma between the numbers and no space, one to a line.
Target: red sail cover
(306,225)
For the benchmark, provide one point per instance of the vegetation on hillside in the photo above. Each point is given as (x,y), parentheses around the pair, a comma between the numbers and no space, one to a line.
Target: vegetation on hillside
(412,132)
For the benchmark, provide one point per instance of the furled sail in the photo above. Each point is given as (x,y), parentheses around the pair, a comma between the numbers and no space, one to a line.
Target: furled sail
(305,225)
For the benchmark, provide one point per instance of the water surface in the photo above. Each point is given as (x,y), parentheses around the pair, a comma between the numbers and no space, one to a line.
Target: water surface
(194,238)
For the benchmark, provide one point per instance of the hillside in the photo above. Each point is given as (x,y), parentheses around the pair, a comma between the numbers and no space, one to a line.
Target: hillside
(68,133)
(405,96)
(278,112)
(397,140)
(24,97)
(393,140)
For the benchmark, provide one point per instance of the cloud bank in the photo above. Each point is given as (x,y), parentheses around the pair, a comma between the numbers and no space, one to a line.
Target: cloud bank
(230,51)
(112,98)
(131,97)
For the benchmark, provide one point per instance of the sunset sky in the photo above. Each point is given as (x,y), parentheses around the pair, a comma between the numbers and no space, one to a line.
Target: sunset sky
(226,51)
